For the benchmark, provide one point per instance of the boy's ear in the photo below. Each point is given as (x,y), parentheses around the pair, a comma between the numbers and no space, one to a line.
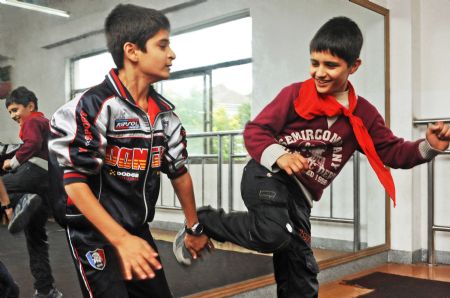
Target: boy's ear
(129,51)
(355,66)
(31,106)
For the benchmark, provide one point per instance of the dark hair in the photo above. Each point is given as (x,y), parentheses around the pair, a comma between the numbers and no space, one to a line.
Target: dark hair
(131,23)
(341,36)
(22,96)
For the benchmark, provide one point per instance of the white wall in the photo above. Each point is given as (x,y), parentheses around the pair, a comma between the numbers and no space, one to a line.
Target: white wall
(401,119)
(433,101)
(9,130)
(419,84)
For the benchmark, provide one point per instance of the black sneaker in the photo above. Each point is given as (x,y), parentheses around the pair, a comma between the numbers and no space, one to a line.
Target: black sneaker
(179,249)
(25,208)
(54,293)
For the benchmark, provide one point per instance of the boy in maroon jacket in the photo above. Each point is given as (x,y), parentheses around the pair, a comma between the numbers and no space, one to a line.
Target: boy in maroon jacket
(299,143)
(28,174)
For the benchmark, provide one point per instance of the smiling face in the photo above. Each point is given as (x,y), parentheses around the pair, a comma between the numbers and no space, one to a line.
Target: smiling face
(157,58)
(19,112)
(330,73)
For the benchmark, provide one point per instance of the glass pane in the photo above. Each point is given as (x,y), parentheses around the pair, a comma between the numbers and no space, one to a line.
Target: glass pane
(232,93)
(187,94)
(221,43)
(90,71)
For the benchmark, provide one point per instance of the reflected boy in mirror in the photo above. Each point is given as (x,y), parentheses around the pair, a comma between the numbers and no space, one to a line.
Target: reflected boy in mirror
(27,173)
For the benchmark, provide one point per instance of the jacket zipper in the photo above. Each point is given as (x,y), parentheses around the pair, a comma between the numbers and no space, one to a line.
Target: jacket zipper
(149,161)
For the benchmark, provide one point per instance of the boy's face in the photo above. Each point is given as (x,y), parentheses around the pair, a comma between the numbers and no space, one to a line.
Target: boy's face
(330,73)
(156,61)
(19,112)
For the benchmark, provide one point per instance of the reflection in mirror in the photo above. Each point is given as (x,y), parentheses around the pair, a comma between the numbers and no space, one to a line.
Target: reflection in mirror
(341,223)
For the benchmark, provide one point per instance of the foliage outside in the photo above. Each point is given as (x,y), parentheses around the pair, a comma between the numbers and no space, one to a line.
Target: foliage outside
(191,112)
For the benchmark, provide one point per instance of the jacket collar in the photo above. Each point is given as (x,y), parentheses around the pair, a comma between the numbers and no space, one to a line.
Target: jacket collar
(121,91)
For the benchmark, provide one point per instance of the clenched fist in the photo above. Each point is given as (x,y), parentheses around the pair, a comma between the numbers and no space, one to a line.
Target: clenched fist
(438,135)
(293,163)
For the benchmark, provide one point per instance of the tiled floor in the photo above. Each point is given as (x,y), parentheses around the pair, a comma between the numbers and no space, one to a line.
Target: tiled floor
(336,289)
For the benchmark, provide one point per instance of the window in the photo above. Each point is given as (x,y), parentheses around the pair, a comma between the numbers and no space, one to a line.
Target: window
(211,80)
(224,42)
(88,71)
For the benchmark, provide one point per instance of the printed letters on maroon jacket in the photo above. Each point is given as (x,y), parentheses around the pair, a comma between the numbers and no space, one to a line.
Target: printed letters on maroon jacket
(278,129)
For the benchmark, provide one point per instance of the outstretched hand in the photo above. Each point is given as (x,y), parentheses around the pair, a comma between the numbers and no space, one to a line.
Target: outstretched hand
(195,244)
(9,214)
(137,258)
(293,163)
(438,135)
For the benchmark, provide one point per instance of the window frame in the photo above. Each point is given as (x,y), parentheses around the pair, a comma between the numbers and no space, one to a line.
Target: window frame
(206,72)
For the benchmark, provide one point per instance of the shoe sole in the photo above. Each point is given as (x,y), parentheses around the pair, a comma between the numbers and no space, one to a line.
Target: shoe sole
(52,294)
(180,253)
(21,219)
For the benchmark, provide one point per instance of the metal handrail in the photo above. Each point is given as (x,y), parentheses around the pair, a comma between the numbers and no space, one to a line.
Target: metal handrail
(430,120)
(219,156)
(232,156)
(432,227)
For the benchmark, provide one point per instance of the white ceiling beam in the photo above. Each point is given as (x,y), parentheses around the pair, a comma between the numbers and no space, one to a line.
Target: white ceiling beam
(35,7)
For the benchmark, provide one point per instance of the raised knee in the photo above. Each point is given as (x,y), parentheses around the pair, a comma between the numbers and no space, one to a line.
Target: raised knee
(271,237)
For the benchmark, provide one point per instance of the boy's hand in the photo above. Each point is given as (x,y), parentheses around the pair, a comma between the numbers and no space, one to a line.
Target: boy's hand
(7,165)
(195,244)
(438,135)
(137,258)
(9,213)
(293,163)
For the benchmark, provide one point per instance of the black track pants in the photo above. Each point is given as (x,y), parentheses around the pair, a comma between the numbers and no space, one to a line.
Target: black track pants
(277,222)
(99,270)
(30,178)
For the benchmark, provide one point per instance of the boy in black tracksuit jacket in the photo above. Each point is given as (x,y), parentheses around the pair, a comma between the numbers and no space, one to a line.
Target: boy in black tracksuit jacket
(108,147)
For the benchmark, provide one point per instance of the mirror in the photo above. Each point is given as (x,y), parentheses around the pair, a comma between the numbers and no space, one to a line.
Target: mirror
(348,221)
(276,55)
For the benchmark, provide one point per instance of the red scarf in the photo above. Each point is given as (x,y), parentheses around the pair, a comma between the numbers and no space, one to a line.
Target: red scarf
(32,115)
(310,104)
